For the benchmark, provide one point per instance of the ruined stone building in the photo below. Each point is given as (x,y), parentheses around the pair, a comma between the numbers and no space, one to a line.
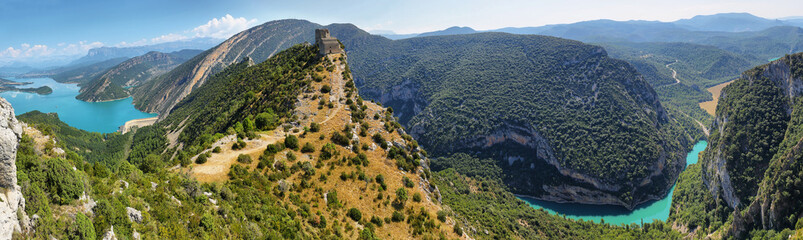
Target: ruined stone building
(326,43)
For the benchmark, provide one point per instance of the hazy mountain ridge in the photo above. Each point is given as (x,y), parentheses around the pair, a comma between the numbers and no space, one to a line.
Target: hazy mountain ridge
(133,72)
(104,53)
(76,74)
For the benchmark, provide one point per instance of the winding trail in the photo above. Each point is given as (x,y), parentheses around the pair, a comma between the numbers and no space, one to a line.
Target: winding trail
(674,73)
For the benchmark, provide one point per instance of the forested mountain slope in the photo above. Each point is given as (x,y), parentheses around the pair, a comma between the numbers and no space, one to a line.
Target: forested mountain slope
(295,152)
(681,72)
(133,72)
(258,43)
(497,94)
(537,105)
(752,168)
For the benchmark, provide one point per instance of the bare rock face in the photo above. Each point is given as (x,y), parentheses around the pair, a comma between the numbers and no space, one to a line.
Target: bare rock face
(109,235)
(11,200)
(134,215)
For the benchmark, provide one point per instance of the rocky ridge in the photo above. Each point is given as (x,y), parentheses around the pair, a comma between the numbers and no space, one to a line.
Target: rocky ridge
(12,203)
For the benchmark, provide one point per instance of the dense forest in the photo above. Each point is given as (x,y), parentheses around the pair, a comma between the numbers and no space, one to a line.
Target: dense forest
(748,182)
(505,96)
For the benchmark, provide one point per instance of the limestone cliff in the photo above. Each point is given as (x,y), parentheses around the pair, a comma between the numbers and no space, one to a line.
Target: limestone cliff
(12,204)
(112,84)
(258,43)
(759,116)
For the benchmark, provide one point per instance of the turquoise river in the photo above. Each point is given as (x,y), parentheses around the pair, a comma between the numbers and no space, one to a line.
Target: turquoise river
(104,117)
(647,212)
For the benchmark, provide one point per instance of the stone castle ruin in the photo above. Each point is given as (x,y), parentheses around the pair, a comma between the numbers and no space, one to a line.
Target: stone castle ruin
(326,43)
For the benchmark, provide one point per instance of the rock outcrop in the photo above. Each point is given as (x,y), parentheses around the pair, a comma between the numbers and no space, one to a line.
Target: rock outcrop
(12,202)
(134,215)
(133,72)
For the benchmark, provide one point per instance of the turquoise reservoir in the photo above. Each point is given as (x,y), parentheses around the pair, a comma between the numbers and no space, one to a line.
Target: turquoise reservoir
(104,117)
(616,215)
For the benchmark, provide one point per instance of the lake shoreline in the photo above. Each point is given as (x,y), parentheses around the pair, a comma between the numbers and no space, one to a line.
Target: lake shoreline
(102,117)
(140,122)
(657,209)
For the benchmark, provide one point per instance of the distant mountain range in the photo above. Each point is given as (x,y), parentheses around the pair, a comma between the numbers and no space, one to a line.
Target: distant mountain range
(723,22)
(112,83)
(104,53)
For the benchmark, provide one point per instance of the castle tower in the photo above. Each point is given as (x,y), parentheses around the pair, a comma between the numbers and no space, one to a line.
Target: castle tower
(326,43)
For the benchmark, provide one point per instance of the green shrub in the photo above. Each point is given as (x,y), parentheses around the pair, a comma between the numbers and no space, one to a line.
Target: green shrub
(217,150)
(307,148)
(442,215)
(326,88)
(407,182)
(377,221)
(266,120)
(401,198)
(397,216)
(314,127)
(242,158)
(417,197)
(340,139)
(273,148)
(291,142)
(201,159)
(354,214)
(82,228)
(328,151)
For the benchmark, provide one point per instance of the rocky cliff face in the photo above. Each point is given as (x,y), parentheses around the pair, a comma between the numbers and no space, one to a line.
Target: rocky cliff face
(257,43)
(12,204)
(776,201)
(132,72)
(717,176)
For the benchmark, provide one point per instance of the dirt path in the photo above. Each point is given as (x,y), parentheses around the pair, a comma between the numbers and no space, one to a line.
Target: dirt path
(674,73)
(217,166)
(705,129)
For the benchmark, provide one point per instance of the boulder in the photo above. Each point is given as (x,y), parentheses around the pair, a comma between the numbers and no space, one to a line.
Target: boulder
(134,215)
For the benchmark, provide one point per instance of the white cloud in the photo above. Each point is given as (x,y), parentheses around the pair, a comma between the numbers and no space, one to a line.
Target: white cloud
(26,51)
(224,27)
(168,38)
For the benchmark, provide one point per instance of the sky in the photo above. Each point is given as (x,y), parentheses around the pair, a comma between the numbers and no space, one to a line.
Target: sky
(33,30)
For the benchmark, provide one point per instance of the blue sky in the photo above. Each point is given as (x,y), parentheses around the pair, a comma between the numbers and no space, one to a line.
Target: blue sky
(38,29)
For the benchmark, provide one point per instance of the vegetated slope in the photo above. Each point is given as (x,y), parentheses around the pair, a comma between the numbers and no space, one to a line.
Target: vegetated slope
(77,74)
(258,43)
(752,164)
(93,147)
(327,178)
(563,120)
(681,72)
(698,65)
(482,205)
(459,69)
(133,72)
